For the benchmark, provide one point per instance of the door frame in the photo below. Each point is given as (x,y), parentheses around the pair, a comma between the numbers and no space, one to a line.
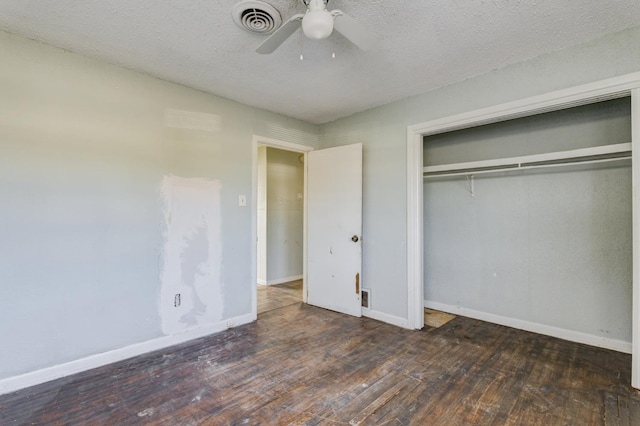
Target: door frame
(612,88)
(257,141)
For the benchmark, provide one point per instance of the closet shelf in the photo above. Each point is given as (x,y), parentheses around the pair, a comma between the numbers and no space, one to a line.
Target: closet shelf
(592,155)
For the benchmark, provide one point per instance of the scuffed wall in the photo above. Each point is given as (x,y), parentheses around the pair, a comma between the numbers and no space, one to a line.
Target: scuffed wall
(118,191)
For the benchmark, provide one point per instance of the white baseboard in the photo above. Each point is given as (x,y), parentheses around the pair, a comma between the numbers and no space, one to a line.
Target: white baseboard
(262,282)
(284,280)
(561,333)
(389,319)
(14,383)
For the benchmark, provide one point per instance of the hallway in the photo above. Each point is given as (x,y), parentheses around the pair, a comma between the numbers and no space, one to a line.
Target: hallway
(272,297)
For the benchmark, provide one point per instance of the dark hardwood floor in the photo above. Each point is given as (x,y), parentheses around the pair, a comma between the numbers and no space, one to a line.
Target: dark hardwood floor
(304,365)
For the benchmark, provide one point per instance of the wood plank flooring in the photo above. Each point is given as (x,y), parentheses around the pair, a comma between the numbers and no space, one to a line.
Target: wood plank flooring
(272,297)
(304,365)
(436,319)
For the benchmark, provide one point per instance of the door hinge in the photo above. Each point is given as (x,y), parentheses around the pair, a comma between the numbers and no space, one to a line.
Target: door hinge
(358,283)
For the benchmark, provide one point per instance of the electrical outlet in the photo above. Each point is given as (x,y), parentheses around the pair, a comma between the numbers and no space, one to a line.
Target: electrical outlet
(242,200)
(176,300)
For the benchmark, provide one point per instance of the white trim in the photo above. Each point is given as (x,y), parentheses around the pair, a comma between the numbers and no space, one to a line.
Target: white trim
(635,184)
(560,333)
(15,383)
(276,143)
(611,88)
(284,280)
(262,282)
(415,243)
(389,319)
(257,140)
(305,208)
(254,227)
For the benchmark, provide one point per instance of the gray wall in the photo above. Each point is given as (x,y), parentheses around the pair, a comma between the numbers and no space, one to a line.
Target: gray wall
(84,150)
(285,180)
(383,132)
(604,123)
(550,246)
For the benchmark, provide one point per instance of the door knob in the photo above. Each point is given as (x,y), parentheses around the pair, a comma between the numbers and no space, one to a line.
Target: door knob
(355,238)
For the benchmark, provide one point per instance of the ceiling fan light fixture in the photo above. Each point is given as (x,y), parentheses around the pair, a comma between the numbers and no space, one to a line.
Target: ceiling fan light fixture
(317,24)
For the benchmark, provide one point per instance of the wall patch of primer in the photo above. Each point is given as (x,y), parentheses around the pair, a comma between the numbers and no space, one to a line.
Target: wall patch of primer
(179,119)
(192,254)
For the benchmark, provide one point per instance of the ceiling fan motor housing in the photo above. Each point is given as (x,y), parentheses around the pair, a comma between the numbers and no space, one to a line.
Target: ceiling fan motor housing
(317,22)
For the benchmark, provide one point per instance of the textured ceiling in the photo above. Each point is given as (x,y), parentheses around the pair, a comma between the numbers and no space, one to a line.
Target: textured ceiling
(424,44)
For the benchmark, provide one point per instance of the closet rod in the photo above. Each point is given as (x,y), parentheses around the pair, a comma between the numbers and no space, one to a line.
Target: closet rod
(516,167)
(558,158)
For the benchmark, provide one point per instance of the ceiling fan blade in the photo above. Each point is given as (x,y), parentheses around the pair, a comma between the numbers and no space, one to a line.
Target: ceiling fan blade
(284,32)
(353,30)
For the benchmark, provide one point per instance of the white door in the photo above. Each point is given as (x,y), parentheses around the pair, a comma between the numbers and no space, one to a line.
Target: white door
(334,218)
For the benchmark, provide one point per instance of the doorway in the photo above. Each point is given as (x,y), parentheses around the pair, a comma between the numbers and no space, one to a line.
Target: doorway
(332,206)
(280,223)
(280,213)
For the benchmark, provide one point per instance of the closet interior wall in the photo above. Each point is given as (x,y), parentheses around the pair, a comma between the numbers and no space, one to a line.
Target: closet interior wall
(548,246)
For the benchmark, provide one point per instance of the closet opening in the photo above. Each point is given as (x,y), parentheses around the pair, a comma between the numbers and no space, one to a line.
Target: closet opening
(528,223)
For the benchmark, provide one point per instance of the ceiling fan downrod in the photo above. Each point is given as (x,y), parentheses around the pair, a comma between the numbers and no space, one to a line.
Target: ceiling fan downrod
(308,2)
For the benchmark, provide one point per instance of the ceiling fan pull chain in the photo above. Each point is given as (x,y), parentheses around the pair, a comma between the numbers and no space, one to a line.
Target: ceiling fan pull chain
(301,46)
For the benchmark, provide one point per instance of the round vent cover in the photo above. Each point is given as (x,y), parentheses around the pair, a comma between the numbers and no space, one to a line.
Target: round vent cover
(256,16)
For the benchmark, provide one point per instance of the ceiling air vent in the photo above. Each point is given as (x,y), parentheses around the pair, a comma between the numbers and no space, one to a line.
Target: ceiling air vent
(256,16)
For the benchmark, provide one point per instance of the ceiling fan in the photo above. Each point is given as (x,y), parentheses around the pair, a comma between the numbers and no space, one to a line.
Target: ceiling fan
(318,23)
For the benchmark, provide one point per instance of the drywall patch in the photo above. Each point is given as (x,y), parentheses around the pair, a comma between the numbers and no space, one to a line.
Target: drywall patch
(192,254)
